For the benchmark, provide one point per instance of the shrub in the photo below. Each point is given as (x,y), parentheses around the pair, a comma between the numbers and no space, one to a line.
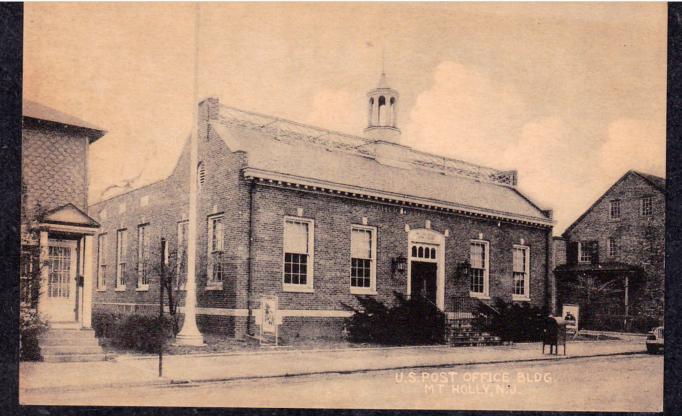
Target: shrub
(136,332)
(515,322)
(31,326)
(414,321)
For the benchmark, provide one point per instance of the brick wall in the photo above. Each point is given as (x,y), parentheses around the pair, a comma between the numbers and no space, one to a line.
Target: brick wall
(333,218)
(54,169)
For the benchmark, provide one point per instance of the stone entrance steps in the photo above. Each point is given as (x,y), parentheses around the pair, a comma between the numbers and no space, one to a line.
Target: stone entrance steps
(461,333)
(66,342)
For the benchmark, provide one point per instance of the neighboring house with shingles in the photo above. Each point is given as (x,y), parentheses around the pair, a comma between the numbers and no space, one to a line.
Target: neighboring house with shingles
(56,232)
(611,260)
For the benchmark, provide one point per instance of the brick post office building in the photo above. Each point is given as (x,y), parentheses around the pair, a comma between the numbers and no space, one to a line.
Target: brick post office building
(319,218)
(611,260)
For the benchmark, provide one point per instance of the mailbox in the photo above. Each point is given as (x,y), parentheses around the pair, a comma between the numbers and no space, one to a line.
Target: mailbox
(554,334)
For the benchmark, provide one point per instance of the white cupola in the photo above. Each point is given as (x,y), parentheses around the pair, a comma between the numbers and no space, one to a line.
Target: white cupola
(382,114)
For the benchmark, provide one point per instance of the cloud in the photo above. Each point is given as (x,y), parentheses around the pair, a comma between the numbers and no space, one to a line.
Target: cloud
(633,144)
(464,114)
(555,171)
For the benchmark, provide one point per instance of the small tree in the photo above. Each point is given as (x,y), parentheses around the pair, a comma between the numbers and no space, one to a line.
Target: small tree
(172,276)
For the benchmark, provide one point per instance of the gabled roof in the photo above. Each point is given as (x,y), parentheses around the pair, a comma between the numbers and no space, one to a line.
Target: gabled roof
(655,181)
(350,164)
(69,214)
(37,111)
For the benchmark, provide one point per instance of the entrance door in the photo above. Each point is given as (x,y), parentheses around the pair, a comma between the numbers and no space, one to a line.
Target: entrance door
(423,281)
(60,293)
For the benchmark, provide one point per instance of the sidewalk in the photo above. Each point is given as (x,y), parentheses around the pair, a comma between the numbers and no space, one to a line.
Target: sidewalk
(224,367)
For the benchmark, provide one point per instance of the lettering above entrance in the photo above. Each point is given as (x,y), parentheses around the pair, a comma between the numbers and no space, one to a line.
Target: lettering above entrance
(426,236)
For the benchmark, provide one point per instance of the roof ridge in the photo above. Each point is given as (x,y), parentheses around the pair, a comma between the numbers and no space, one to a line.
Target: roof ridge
(417,158)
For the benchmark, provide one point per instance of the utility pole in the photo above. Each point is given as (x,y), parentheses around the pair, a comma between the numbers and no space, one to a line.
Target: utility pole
(162,283)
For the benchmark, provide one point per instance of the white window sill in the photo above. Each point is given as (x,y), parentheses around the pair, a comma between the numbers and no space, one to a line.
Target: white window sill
(358,291)
(101,289)
(482,296)
(520,298)
(142,288)
(298,289)
(120,289)
(213,286)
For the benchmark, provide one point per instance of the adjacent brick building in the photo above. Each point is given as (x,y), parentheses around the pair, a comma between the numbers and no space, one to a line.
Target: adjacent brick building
(319,218)
(610,261)
(56,232)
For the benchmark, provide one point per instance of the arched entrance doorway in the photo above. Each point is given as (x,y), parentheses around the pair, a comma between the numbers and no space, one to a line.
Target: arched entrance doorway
(426,265)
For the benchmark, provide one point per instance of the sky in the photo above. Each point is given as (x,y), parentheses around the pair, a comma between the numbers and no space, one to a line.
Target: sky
(571,95)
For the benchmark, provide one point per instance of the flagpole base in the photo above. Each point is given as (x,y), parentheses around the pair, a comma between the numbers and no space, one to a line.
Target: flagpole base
(189,340)
(189,335)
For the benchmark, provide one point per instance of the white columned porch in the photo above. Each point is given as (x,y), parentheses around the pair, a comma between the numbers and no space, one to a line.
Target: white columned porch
(88,286)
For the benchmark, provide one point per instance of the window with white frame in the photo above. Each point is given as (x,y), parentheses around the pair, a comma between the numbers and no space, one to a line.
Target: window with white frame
(521,272)
(478,258)
(142,256)
(363,259)
(215,267)
(101,261)
(611,246)
(181,255)
(647,205)
(298,254)
(585,251)
(121,248)
(614,209)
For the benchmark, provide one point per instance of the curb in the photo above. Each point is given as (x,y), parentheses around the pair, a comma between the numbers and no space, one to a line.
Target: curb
(368,370)
(122,358)
(96,386)
(287,351)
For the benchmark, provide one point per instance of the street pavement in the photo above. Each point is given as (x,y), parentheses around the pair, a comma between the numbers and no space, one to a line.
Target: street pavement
(129,371)
(632,383)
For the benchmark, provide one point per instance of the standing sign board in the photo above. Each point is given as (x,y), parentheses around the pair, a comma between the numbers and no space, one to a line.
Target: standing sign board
(571,314)
(268,318)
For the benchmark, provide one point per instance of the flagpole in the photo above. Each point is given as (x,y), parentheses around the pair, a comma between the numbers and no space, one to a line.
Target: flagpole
(190,334)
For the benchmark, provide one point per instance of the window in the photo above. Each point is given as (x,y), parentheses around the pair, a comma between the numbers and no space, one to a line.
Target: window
(647,205)
(478,257)
(121,247)
(101,261)
(142,257)
(588,251)
(362,259)
(201,175)
(585,252)
(215,268)
(521,273)
(298,254)
(424,252)
(60,266)
(611,247)
(614,209)
(181,262)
